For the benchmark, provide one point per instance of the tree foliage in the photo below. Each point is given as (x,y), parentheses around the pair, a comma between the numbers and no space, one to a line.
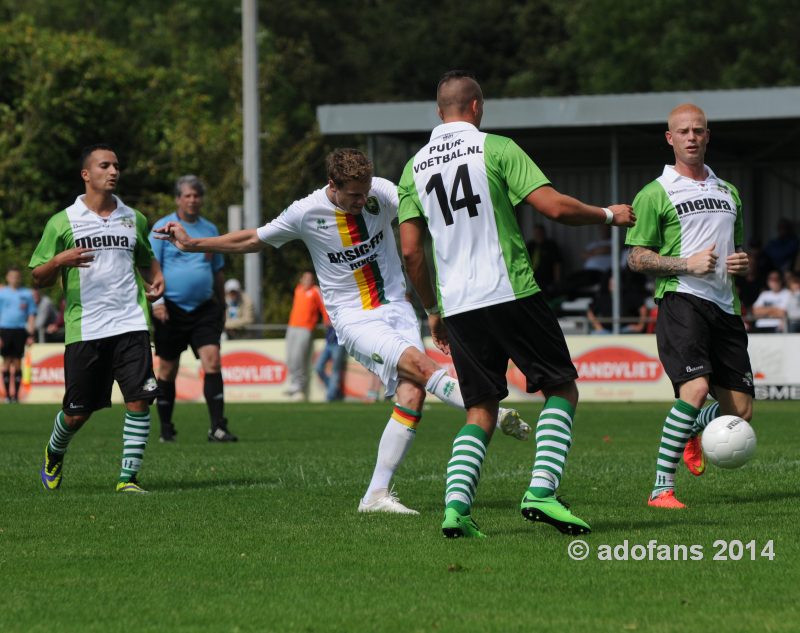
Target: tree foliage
(161,81)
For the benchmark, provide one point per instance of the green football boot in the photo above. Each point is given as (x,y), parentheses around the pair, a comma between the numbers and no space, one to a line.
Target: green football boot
(131,486)
(457,525)
(51,470)
(553,511)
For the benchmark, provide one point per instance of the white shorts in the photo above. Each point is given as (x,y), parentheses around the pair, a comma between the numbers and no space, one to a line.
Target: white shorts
(377,338)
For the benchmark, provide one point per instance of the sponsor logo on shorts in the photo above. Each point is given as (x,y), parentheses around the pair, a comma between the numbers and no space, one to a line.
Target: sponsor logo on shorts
(748,379)
(377,358)
(150,385)
(690,369)
(372,207)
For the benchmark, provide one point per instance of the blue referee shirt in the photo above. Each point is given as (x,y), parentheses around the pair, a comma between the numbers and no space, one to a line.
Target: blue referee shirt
(189,277)
(15,307)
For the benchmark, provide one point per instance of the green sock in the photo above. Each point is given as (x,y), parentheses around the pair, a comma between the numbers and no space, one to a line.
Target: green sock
(61,436)
(553,440)
(676,432)
(464,468)
(706,415)
(134,439)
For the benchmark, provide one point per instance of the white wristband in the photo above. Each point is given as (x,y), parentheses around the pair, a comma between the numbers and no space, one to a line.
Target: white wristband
(432,310)
(158,301)
(609,215)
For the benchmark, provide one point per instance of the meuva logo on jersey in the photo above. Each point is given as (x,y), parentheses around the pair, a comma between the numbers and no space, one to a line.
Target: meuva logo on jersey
(104,241)
(252,368)
(610,364)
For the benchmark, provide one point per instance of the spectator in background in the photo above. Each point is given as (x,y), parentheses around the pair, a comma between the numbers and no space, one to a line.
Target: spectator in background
(750,285)
(336,355)
(239,310)
(633,311)
(771,307)
(192,313)
(596,265)
(46,317)
(307,311)
(546,259)
(783,248)
(793,311)
(17,325)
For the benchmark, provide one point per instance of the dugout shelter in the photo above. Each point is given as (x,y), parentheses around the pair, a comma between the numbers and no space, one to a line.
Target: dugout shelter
(604,148)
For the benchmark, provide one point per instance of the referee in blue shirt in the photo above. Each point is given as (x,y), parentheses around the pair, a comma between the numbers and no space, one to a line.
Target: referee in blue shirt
(17,314)
(192,312)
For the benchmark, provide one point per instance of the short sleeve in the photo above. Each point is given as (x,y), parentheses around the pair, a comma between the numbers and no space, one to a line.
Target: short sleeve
(521,174)
(409,205)
(284,228)
(143,252)
(647,230)
(738,227)
(53,240)
(386,192)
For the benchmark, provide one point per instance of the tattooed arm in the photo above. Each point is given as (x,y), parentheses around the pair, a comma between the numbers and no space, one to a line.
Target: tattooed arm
(647,261)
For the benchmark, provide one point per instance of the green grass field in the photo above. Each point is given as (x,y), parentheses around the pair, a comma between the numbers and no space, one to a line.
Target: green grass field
(264,535)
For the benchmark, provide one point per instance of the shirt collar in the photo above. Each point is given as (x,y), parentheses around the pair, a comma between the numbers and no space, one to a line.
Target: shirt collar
(671,175)
(81,205)
(452,128)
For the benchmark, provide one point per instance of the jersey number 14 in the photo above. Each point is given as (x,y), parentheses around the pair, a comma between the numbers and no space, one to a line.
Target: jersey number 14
(469,201)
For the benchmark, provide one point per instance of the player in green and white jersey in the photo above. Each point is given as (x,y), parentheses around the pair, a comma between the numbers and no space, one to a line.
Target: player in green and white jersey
(689,235)
(347,228)
(99,248)
(486,308)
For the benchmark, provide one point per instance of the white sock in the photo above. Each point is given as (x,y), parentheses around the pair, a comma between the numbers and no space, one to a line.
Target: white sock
(445,388)
(395,442)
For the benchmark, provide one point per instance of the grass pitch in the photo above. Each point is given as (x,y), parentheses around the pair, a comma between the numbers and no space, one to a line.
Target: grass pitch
(263,535)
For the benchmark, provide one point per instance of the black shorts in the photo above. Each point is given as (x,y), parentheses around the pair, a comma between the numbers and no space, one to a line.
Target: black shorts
(13,342)
(91,367)
(526,331)
(198,328)
(697,338)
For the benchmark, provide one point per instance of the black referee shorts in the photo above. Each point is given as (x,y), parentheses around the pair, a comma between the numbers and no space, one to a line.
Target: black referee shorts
(526,331)
(13,342)
(198,328)
(91,367)
(697,338)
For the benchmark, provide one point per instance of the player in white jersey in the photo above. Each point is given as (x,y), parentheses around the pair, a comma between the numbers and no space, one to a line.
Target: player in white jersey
(689,235)
(99,248)
(347,228)
(462,187)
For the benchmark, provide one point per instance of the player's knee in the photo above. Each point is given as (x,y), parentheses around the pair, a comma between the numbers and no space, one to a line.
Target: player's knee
(567,390)
(695,393)
(744,410)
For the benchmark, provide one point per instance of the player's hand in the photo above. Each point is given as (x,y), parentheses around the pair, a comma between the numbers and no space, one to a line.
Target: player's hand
(439,333)
(75,257)
(702,262)
(623,215)
(155,289)
(160,312)
(175,234)
(737,263)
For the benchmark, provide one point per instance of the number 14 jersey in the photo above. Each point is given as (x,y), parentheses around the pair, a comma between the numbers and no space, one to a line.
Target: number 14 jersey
(465,185)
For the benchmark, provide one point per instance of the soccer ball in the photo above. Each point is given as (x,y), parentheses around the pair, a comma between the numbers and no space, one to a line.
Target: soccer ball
(728,441)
